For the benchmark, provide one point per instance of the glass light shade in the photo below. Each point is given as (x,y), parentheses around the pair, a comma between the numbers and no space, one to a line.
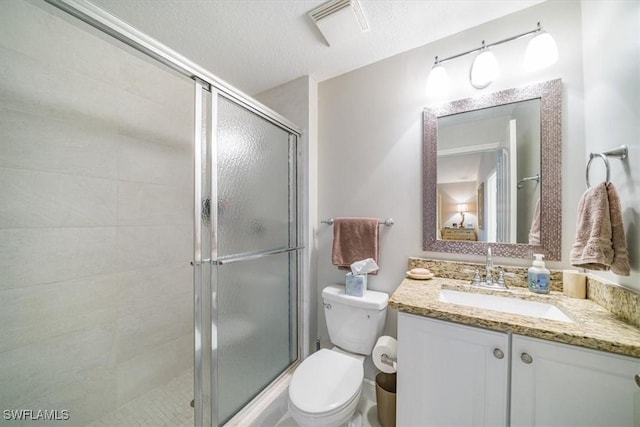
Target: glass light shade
(438,81)
(462,207)
(541,52)
(484,69)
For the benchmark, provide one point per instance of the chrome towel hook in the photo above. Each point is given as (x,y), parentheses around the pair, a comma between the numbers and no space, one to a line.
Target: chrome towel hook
(619,153)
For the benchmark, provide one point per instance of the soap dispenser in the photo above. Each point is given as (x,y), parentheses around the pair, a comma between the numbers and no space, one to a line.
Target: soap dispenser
(538,276)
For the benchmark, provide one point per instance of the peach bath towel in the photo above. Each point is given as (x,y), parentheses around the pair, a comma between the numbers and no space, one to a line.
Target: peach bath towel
(600,242)
(620,264)
(355,239)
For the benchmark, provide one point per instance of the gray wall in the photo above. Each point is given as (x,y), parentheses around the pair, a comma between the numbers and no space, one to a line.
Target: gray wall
(95,219)
(370,130)
(370,137)
(612,110)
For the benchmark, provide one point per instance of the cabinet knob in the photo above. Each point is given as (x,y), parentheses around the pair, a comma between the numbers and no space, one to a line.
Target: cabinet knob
(637,378)
(499,354)
(526,358)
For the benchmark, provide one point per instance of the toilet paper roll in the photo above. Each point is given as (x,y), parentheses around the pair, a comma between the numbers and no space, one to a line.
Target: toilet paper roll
(388,346)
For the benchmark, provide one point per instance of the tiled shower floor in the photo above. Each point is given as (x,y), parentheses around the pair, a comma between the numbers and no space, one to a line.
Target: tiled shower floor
(169,406)
(165,406)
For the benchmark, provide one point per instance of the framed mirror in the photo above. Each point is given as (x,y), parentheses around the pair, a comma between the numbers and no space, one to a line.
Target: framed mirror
(492,173)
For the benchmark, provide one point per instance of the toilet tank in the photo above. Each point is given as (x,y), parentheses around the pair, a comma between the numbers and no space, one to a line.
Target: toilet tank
(354,323)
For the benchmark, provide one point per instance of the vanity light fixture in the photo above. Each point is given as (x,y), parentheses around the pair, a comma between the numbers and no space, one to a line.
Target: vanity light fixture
(541,52)
(438,81)
(484,68)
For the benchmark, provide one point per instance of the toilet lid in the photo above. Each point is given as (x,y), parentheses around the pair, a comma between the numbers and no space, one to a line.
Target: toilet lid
(325,381)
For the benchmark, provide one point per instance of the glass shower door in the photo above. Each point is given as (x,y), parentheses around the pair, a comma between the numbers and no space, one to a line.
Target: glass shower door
(253,231)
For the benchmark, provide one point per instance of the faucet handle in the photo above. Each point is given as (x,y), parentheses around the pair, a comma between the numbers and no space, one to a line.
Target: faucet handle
(501,281)
(476,278)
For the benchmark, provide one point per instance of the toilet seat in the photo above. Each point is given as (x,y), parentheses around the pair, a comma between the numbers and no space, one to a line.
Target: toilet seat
(325,383)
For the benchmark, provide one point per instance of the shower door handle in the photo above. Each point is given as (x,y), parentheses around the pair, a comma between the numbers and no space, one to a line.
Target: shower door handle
(204,261)
(255,255)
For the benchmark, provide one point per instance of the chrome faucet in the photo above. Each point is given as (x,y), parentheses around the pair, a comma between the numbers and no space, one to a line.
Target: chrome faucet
(488,281)
(489,268)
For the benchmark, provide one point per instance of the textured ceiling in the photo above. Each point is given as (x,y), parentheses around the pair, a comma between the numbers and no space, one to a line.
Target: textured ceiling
(259,44)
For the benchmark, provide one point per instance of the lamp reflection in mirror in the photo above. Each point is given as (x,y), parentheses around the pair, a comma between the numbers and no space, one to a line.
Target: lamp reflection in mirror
(462,208)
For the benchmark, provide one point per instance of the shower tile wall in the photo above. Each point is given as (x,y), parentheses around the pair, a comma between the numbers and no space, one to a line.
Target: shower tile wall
(95,218)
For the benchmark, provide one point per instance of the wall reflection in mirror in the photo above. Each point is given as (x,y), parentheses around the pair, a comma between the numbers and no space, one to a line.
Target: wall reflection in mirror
(488,174)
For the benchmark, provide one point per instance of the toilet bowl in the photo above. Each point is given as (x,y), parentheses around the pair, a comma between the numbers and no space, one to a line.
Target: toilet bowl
(325,389)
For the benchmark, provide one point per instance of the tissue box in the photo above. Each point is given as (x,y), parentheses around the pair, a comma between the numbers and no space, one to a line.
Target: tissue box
(356,284)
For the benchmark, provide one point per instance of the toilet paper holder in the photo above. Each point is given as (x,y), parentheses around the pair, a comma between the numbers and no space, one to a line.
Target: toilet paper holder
(388,360)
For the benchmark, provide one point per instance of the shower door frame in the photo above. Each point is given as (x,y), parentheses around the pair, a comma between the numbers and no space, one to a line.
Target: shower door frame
(203,81)
(205,311)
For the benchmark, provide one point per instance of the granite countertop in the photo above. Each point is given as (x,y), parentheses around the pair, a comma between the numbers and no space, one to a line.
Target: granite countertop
(594,327)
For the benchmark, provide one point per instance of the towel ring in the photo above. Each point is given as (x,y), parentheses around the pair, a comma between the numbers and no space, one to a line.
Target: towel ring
(605,159)
(619,153)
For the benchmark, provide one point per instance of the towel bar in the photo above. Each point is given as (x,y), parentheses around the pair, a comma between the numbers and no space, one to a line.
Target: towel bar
(528,178)
(619,153)
(387,222)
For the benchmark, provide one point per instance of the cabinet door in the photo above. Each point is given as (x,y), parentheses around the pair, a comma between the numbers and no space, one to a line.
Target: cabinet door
(450,375)
(561,385)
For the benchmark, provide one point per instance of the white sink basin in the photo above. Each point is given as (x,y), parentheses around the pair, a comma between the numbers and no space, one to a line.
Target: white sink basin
(505,305)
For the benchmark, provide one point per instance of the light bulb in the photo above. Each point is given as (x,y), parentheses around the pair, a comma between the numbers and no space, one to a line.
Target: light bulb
(541,52)
(438,81)
(484,69)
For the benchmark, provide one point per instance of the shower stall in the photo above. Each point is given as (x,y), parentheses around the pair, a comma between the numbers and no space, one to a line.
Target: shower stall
(149,229)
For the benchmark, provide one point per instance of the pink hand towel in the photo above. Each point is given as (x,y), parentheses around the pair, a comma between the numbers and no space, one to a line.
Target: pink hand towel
(355,239)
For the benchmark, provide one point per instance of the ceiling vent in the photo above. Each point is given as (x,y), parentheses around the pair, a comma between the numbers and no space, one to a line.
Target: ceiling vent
(339,20)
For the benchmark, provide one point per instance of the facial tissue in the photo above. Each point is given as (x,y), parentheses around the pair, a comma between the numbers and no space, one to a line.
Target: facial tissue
(356,281)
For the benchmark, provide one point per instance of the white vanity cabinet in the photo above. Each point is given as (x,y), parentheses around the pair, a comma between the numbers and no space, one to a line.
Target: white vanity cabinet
(455,375)
(449,374)
(556,384)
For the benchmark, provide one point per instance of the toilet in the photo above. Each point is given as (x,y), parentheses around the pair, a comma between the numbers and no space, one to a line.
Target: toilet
(325,389)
